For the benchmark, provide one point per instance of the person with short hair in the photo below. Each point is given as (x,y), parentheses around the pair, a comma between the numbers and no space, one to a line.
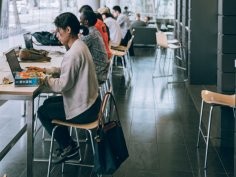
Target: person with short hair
(126,11)
(124,23)
(147,19)
(138,22)
(78,85)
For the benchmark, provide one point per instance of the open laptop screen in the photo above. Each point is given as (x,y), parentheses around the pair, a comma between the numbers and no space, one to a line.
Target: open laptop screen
(28,40)
(13,62)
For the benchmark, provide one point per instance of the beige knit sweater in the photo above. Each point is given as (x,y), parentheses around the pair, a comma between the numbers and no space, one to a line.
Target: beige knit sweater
(77,80)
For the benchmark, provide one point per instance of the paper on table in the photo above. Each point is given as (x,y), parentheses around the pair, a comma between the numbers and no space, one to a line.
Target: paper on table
(7,75)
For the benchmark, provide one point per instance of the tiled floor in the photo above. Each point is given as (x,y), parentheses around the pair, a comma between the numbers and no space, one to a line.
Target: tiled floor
(160,125)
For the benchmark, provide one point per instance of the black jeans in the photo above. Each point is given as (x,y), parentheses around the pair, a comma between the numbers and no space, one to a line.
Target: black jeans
(53,108)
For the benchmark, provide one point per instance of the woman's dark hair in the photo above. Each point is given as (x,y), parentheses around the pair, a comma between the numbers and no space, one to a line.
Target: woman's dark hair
(99,16)
(68,19)
(85,8)
(84,30)
(90,16)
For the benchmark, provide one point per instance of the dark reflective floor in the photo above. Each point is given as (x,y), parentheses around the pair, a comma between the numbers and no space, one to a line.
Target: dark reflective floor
(160,125)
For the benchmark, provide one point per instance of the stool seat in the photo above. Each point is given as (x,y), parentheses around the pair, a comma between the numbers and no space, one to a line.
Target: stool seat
(118,53)
(120,48)
(87,126)
(218,98)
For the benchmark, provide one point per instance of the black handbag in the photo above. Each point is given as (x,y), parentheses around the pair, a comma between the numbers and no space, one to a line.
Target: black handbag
(110,146)
(46,38)
(33,55)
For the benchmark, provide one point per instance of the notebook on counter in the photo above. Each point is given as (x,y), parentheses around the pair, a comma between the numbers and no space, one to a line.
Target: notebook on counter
(22,77)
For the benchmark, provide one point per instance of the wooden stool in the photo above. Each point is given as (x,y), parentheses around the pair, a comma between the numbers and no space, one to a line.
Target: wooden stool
(163,45)
(213,99)
(126,61)
(87,127)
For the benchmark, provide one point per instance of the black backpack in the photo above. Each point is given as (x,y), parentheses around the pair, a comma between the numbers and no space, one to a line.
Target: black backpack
(46,38)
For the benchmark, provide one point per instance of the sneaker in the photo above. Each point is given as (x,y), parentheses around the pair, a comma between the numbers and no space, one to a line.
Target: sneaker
(67,153)
(57,152)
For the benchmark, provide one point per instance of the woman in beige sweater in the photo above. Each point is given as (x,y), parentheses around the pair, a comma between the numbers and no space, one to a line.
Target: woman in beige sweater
(77,82)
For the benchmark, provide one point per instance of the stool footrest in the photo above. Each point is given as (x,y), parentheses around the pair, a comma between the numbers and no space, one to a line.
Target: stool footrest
(41,160)
(155,76)
(73,162)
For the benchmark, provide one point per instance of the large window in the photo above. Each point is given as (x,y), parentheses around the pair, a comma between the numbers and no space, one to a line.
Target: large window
(19,16)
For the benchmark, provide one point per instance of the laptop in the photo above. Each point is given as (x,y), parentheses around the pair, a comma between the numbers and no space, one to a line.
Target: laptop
(15,68)
(13,62)
(28,40)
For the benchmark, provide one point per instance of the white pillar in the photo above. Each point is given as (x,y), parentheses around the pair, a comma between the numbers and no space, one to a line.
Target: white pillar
(111,3)
(102,3)
(95,4)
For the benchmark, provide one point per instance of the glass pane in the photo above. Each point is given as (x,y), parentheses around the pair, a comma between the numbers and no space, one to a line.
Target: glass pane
(20,16)
(156,9)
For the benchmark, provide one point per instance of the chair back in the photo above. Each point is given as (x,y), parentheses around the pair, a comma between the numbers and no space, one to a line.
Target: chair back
(130,42)
(108,110)
(161,39)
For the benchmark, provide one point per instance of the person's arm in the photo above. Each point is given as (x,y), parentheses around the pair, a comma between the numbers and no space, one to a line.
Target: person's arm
(67,76)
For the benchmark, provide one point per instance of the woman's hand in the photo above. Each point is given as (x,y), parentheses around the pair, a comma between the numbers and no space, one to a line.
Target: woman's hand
(43,80)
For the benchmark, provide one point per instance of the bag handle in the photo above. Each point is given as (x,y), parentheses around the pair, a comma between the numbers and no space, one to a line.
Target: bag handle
(103,107)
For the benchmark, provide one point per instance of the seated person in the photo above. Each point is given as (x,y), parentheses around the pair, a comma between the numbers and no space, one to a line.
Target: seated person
(147,19)
(77,82)
(138,22)
(101,27)
(126,11)
(95,44)
(112,24)
(124,23)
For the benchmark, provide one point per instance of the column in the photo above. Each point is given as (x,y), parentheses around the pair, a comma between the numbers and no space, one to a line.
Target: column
(235,125)
(95,4)
(225,68)
(102,3)
(111,3)
(203,46)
